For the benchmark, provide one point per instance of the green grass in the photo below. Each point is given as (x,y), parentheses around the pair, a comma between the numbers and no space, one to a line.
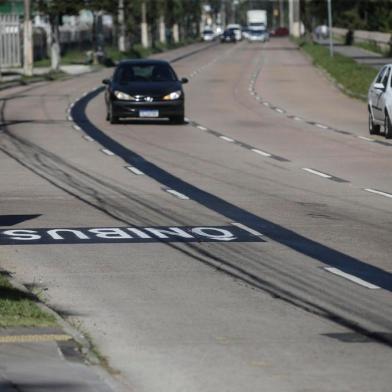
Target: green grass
(19,309)
(354,77)
(372,47)
(76,56)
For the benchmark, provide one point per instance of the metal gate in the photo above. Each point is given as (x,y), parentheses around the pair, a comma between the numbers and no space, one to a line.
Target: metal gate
(10,41)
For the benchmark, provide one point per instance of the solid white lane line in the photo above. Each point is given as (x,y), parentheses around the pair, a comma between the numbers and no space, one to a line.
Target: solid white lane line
(226,139)
(248,229)
(177,194)
(202,128)
(107,152)
(366,138)
(88,138)
(134,170)
(264,154)
(317,173)
(379,192)
(352,278)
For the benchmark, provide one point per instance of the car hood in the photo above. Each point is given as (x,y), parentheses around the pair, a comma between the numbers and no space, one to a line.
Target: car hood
(148,88)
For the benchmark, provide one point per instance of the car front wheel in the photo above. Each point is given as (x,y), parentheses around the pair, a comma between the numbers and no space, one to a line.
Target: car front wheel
(373,128)
(177,119)
(388,127)
(112,118)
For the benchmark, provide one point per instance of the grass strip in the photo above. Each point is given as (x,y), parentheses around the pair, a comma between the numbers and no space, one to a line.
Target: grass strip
(20,309)
(354,77)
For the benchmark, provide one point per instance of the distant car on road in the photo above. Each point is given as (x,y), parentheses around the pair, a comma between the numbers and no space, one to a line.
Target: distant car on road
(208,35)
(237,30)
(228,36)
(380,102)
(258,35)
(280,32)
(144,89)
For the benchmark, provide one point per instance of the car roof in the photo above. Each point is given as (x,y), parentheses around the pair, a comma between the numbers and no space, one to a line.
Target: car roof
(143,61)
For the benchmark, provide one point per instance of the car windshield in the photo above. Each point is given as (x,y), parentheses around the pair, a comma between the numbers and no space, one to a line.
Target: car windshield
(208,32)
(145,73)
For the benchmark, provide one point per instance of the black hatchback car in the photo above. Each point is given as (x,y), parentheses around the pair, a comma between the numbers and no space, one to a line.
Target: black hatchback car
(228,36)
(144,89)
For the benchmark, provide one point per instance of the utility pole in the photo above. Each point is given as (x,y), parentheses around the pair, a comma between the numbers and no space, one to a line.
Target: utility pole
(122,47)
(27,40)
(330,27)
(294,18)
(281,13)
(144,26)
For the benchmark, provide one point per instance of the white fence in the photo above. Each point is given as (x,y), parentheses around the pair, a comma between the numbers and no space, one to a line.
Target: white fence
(10,41)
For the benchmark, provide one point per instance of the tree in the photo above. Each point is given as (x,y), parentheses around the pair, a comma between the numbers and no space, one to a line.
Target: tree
(55,9)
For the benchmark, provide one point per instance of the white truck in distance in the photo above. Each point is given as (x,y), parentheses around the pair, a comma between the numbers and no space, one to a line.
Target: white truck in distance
(257,25)
(256,19)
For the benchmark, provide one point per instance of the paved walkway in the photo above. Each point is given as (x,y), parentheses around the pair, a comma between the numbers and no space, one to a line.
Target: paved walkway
(360,55)
(42,360)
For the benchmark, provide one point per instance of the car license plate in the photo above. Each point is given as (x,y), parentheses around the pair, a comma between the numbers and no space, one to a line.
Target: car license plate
(148,113)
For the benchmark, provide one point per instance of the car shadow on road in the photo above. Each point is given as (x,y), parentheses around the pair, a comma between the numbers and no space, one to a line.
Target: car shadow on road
(275,232)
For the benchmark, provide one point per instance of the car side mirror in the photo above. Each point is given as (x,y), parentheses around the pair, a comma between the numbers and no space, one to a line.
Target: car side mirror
(106,81)
(379,86)
(184,80)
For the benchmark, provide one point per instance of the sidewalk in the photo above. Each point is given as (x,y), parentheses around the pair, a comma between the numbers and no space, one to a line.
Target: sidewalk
(14,75)
(361,56)
(45,359)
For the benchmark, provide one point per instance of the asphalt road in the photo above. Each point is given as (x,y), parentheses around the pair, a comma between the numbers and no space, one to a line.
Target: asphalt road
(270,145)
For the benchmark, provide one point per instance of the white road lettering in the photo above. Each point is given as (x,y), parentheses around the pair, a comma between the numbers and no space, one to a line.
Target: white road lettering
(110,232)
(170,231)
(54,234)
(138,232)
(22,235)
(214,233)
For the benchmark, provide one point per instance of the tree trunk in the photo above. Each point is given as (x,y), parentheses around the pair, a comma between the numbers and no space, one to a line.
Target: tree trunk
(54,44)
(176,33)
(162,29)
(144,26)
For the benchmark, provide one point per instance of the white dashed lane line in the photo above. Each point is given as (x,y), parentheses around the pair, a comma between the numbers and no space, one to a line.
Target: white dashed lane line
(134,170)
(177,194)
(264,154)
(381,193)
(226,139)
(316,172)
(88,138)
(107,152)
(368,139)
(352,278)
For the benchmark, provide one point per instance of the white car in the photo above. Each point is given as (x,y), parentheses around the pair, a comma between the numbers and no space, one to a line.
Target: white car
(258,35)
(380,102)
(208,35)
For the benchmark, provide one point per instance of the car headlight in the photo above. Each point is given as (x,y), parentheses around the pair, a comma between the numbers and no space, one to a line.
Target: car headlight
(172,96)
(123,96)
